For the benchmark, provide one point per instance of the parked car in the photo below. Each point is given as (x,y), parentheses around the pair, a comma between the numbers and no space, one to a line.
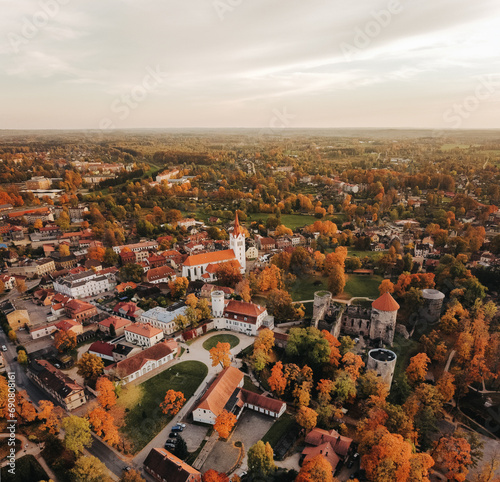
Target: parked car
(173,435)
(177,428)
(4,348)
(169,446)
(172,441)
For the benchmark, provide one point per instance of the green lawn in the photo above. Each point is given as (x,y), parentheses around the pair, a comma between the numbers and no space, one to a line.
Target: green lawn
(248,385)
(363,254)
(278,429)
(213,340)
(360,285)
(145,419)
(27,468)
(304,288)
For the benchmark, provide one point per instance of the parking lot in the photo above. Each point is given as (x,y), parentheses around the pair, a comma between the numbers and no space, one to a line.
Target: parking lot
(250,428)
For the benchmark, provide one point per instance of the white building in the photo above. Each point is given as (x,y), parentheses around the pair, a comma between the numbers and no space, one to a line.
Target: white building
(143,334)
(202,266)
(81,285)
(238,315)
(137,247)
(163,318)
(145,361)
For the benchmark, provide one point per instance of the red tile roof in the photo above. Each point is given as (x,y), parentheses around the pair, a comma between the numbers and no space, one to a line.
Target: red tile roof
(66,325)
(325,450)
(243,308)
(261,401)
(169,467)
(130,365)
(216,397)
(143,330)
(237,228)
(160,273)
(213,257)
(385,303)
(102,347)
(117,321)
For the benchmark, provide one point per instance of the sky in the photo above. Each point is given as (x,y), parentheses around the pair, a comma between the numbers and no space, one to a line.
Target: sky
(275,64)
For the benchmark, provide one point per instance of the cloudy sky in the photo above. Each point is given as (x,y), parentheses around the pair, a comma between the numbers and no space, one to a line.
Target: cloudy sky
(249,63)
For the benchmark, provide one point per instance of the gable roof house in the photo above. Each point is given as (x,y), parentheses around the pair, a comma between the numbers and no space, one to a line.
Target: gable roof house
(166,467)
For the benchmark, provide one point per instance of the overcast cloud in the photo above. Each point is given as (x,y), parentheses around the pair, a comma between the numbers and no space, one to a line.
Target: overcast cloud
(232,63)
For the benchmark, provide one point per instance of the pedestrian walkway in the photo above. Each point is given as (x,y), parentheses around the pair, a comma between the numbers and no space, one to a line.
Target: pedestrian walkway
(205,451)
(196,353)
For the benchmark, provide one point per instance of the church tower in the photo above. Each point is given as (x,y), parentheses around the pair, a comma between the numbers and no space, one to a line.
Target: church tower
(237,243)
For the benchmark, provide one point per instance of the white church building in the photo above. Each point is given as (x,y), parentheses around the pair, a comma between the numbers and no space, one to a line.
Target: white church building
(203,266)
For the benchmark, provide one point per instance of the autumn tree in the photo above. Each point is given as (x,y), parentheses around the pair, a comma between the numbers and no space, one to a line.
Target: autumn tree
(352,365)
(90,366)
(309,345)
(417,369)
(212,475)
(335,355)
(106,390)
(386,287)
(243,289)
(306,417)
(264,341)
(65,340)
(77,434)
(172,403)
(280,305)
(96,252)
(453,453)
(228,273)
(221,354)
(21,285)
(277,381)
(89,469)
(224,423)
(316,469)
(50,415)
(4,395)
(336,279)
(132,476)
(178,287)
(446,386)
(22,357)
(24,408)
(325,388)
(181,322)
(260,460)
(64,250)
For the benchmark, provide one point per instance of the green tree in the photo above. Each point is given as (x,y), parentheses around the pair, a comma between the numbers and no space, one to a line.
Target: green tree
(260,460)
(131,272)
(309,345)
(77,434)
(110,257)
(89,469)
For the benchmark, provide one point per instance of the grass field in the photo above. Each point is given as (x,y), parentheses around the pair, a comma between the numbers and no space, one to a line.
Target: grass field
(363,254)
(278,429)
(144,418)
(304,287)
(359,285)
(213,340)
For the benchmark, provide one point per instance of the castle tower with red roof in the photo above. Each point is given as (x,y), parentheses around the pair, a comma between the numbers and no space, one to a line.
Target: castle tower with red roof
(237,243)
(383,318)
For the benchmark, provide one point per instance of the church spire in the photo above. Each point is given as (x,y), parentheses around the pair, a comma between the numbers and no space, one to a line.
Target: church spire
(237,228)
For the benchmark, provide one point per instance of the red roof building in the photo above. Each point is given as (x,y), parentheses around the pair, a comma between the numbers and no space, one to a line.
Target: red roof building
(385,303)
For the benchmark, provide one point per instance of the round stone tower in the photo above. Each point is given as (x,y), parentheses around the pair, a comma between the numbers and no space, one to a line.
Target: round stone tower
(433,302)
(217,304)
(383,318)
(383,362)
(321,304)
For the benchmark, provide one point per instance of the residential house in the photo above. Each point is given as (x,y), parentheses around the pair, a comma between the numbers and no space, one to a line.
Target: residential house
(84,284)
(162,274)
(103,350)
(127,309)
(119,324)
(163,466)
(163,318)
(80,310)
(70,325)
(64,389)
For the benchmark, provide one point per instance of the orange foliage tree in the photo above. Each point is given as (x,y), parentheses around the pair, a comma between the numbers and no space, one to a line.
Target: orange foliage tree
(106,389)
(277,381)
(270,278)
(173,402)
(325,388)
(417,369)
(50,415)
(96,252)
(224,423)
(102,423)
(334,344)
(386,287)
(454,454)
(264,341)
(24,408)
(316,469)
(214,476)
(221,354)
(228,273)
(65,340)
(243,289)
(352,364)
(307,418)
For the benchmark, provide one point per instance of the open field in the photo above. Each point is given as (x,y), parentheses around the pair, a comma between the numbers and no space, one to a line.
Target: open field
(363,254)
(213,340)
(360,285)
(144,418)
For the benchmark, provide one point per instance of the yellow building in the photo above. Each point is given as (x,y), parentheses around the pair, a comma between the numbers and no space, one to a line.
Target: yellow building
(18,318)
